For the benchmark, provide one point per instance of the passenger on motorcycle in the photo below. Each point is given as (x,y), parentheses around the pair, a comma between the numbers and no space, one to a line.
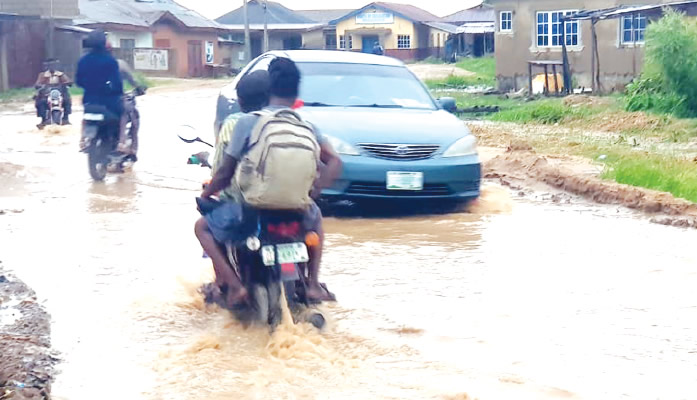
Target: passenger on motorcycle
(215,227)
(98,74)
(51,77)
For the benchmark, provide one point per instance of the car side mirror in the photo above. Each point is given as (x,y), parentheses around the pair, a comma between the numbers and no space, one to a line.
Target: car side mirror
(448,104)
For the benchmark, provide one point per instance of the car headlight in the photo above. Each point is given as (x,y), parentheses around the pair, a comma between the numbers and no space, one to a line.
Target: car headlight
(466,146)
(342,147)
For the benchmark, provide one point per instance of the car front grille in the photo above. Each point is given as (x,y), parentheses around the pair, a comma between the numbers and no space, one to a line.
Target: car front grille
(380,189)
(402,152)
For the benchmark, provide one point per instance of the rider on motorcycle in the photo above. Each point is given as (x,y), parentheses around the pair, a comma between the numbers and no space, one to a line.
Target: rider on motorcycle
(211,230)
(52,77)
(98,74)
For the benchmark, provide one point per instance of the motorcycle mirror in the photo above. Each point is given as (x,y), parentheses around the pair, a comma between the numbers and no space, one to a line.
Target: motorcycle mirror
(188,135)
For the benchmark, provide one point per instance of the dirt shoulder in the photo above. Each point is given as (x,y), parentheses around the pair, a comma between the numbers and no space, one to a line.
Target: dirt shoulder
(26,362)
(437,71)
(510,158)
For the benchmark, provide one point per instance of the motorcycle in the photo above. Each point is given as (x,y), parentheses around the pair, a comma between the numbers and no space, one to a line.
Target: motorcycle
(100,131)
(271,261)
(54,104)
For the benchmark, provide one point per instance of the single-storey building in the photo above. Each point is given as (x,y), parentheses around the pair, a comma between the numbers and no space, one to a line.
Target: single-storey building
(404,31)
(287,29)
(528,30)
(324,37)
(157,37)
(475,34)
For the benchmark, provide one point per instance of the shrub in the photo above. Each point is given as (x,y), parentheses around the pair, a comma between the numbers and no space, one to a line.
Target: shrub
(668,83)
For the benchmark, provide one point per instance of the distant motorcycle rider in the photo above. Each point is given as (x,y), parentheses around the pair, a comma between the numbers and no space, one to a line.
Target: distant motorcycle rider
(52,77)
(98,74)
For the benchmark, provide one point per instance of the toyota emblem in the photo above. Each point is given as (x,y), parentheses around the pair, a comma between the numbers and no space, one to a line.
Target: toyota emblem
(402,150)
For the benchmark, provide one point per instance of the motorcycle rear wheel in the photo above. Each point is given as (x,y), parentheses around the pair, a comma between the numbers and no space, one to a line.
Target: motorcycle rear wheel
(97,159)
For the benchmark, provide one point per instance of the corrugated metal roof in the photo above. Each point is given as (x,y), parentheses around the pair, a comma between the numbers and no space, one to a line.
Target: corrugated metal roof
(109,12)
(445,27)
(323,16)
(477,27)
(276,27)
(616,12)
(188,17)
(276,14)
(412,13)
(140,13)
(480,13)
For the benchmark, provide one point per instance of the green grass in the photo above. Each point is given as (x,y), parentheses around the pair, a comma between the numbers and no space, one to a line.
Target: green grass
(678,177)
(546,111)
(24,94)
(484,69)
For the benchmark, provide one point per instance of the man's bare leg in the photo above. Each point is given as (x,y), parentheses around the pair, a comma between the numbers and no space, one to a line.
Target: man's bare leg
(225,277)
(314,290)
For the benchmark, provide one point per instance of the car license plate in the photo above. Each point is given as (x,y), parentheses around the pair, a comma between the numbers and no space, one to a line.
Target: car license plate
(399,180)
(290,253)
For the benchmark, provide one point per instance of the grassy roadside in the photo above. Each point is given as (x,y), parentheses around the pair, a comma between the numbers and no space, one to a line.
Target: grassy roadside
(654,151)
(484,75)
(636,148)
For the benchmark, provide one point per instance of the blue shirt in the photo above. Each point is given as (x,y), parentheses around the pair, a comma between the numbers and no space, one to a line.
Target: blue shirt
(98,74)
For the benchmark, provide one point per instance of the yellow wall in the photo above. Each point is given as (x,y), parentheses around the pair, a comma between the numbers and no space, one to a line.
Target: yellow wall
(437,38)
(399,26)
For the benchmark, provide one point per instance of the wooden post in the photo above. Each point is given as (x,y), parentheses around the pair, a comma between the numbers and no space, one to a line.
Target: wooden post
(594,45)
(4,79)
(556,81)
(546,91)
(565,59)
(247,39)
(530,78)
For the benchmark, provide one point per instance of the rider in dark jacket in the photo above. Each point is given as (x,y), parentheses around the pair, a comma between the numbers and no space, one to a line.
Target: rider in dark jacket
(98,74)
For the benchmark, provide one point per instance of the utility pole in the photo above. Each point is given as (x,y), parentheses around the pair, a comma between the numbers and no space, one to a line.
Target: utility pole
(51,27)
(266,31)
(247,40)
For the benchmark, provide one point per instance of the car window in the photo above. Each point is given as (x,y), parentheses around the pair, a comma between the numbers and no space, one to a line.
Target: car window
(362,85)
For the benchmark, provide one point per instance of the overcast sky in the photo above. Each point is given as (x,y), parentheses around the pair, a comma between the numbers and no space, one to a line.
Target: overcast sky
(216,8)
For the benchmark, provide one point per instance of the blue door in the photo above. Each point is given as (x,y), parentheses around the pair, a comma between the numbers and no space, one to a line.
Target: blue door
(369,42)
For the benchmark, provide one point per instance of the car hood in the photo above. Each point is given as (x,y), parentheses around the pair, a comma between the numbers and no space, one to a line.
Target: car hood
(386,125)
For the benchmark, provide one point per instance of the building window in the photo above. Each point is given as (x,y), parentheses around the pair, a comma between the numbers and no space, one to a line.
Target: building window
(549,29)
(403,41)
(350,42)
(162,43)
(633,28)
(330,42)
(127,43)
(342,42)
(506,21)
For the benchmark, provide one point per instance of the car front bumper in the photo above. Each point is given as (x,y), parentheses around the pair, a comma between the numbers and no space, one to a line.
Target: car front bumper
(365,178)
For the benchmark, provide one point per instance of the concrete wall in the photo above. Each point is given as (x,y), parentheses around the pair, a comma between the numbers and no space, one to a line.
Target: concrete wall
(143,39)
(179,41)
(61,8)
(388,40)
(314,40)
(619,64)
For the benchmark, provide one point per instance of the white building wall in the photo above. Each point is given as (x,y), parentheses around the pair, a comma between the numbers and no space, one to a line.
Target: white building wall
(143,39)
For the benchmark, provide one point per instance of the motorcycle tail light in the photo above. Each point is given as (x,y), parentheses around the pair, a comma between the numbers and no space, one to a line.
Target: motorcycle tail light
(312,239)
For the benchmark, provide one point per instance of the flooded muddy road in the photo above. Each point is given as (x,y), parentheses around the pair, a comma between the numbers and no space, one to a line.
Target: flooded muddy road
(520,299)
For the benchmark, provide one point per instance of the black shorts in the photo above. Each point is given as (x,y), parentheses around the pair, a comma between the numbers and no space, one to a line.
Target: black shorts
(226,222)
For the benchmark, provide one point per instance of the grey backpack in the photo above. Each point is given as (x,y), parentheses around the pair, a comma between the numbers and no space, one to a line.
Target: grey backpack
(282,163)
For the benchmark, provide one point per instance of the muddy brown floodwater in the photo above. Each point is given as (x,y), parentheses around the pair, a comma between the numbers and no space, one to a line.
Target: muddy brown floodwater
(521,298)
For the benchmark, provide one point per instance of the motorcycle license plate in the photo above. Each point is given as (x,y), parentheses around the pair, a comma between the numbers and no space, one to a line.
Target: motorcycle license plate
(289,253)
(399,180)
(90,131)
(93,117)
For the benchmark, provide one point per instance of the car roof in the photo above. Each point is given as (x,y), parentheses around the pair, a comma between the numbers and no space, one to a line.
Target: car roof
(335,56)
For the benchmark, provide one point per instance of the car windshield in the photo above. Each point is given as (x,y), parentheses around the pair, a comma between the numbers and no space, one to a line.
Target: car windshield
(361,85)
